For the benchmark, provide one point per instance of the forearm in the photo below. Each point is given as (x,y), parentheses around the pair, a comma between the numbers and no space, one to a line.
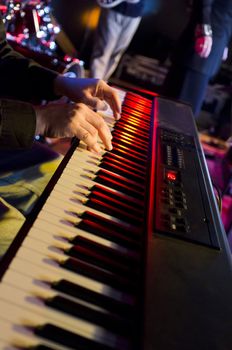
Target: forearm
(24,80)
(17,124)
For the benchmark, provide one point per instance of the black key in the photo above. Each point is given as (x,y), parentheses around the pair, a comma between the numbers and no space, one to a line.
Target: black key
(131,231)
(110,156)
(130,144)
(135,115)
(118,196)
(109,232)
(122,170)
(119,183)
(136,185)
(68,338)
(144,109)
(134,118)
(124,127)
(133,138)
(116,202)
(36,347)
(97,274)
(96,259)
(119,307)
(115,212)
(131,152)
(131,96)
(124,258)
(109,321)
(122,151)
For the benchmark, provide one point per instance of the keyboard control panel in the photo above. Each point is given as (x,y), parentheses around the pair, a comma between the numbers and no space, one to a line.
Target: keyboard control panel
(180,195)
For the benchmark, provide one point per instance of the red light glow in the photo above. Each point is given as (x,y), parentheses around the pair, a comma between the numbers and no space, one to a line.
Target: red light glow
(171,176)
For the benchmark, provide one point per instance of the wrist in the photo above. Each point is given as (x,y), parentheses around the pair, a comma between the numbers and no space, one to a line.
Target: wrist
(203,30)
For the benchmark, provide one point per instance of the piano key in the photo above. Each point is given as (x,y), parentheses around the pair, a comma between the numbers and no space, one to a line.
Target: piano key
(117,184)
(66,337)
(115,236)
(135,115)
(47,256)
(146,111)
(61,335)
(45,231)
(133,131)
(15,337)
(45,271)
(77,307)
(117,226)
(122,308)
(88,172)
(133,138)
(110,233)
(109,321)
(28,307)
(130,153)
(84,257)
(131,146)
(111,200)
(118,159)
(71,248)
(97,259)
(81,166)
(134,157)
(78,204)
(122,170)
(125,258)
(115,194)
(99,204)
(67,209)
(113,280)
(89,181)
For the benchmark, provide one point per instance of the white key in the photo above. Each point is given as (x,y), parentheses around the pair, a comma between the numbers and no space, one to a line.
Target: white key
(13,336)
(45,268)
(17,306)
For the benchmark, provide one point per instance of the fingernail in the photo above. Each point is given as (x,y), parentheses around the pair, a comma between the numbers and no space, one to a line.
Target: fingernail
(118,116)
(109,147)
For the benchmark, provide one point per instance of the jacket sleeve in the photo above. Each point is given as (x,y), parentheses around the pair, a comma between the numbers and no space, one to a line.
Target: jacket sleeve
(22,78)
(17,124)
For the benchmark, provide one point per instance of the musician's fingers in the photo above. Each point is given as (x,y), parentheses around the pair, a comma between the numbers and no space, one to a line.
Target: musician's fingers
(102,129)
(89,138)
(107,93)
(113,100)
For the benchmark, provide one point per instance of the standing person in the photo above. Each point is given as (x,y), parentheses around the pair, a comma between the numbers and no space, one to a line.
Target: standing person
(199,52)
(116,28)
